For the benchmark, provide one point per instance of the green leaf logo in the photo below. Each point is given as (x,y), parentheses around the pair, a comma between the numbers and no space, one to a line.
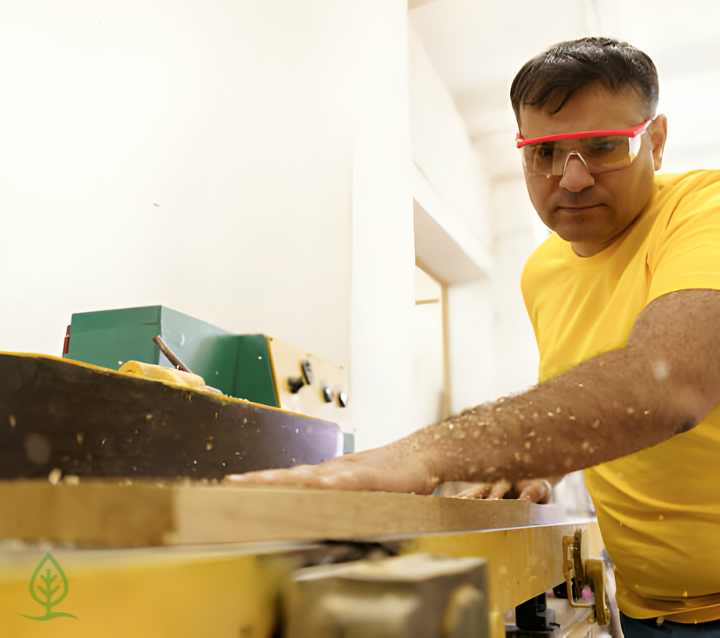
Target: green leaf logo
(47,590)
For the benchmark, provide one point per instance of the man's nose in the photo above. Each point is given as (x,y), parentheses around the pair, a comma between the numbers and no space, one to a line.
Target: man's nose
(576,176)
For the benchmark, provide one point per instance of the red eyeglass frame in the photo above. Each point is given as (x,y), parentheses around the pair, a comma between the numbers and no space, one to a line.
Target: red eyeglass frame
(627,132)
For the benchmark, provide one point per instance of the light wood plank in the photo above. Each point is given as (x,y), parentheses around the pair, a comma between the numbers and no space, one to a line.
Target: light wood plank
(144,514)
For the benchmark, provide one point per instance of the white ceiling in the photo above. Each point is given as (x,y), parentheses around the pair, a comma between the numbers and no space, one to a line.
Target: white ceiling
(477,46)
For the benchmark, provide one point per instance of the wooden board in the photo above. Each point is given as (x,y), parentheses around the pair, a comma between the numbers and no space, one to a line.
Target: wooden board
(88,421)
(109,514)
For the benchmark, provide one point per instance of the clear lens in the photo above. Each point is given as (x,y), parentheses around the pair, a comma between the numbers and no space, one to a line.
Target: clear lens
(600,154)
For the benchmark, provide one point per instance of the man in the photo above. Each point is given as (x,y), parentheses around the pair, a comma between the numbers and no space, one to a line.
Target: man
(624,298)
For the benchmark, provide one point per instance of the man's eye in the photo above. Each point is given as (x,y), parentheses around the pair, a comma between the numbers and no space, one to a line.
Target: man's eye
(605,146)
(544,152)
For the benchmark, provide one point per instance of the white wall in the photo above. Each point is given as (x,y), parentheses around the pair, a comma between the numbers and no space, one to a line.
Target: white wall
(441,146)
(517,231)
(443,151)
(472,344)
(383,275)
(516,352)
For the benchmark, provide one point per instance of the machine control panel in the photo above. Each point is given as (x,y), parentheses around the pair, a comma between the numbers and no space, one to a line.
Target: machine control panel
(308,384)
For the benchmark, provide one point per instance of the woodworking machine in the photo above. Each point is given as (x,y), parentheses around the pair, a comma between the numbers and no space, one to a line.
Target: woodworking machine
(110,524)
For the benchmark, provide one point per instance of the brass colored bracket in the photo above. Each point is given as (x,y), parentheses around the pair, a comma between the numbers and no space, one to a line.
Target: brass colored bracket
(595,573)
(592,572)
(573,567)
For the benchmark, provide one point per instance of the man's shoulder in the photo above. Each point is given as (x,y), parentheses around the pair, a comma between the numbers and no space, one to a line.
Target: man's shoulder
(686,183)
(684,197)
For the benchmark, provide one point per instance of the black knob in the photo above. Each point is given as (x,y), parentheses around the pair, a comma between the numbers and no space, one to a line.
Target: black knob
(328,394)
(342,399)
(295,384)
(307,371)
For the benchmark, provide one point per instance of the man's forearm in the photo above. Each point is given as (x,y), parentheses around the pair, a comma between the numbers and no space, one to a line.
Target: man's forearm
(604,408)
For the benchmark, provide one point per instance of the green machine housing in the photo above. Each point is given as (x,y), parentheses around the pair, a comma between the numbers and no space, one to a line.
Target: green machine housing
(237,365)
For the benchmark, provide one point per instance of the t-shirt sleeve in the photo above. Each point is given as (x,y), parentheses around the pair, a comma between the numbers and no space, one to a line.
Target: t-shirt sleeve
(685,253)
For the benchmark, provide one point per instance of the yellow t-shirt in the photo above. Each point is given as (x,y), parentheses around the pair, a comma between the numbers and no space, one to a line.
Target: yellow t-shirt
(658,509)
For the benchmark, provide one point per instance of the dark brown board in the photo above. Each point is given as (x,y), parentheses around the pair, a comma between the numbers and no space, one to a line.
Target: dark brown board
(89,421)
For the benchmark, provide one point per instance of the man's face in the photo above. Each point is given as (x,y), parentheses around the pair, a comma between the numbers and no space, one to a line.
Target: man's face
(591,211)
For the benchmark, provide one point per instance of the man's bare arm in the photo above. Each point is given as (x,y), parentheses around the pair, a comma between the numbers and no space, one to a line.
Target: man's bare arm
(663,382)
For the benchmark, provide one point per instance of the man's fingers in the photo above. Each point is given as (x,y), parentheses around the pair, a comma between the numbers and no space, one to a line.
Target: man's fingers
(489,491)
(478,491)
(299,476)
(499,489)
(534,490)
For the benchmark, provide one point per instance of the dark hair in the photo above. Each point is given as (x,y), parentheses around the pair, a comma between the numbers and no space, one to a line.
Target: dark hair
(564,68)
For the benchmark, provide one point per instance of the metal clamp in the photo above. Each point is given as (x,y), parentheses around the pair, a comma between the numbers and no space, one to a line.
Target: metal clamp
(578,575)
(416,595)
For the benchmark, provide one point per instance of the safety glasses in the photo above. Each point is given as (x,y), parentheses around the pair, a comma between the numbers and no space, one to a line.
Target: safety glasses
(600,151)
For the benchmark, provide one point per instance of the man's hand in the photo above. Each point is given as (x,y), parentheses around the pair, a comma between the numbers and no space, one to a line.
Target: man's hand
(393,468)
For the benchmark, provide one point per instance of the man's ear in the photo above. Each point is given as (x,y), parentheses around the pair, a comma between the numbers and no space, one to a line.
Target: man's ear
(658,135)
